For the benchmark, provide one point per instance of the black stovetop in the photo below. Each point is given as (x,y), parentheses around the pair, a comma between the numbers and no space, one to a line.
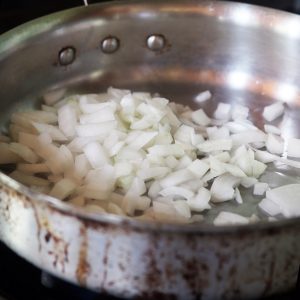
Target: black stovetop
(18,278)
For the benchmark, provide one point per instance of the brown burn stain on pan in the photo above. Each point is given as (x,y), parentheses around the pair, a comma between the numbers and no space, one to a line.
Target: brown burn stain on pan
(83,267)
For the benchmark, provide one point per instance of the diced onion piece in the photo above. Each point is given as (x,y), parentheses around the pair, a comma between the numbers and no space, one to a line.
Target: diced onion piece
(182,208)
(234,170)
(238,196)
(248,137)
(200,117)
(152,173)
(184,134)
(239,126)
(258,168)
(177,192)
(198,168)
(95,130)
(215,145)
(7,156)
(142,203)
(96,155)
(203,96)
(52,97)
(176,178)
(264,156)
(25,118)
(275,144)
(201,201)
(272,129)
(240,112)
(114,209)
(25,152)
(93,208)
(293,147)
(28,179)
(222,188)
(171,162)
(260,188)
(94,191)
(269,207)
(166,150)
(223,111)
(143,139)
(78,143)
(229,218)
(81,165)
(247,182)
(273,111)
(184,162)
(52,130)
(215,133)
(287,198)
(104,178)
(163,208)
(77,200)
(100,116)
(130,200)
(33,168)
(194,185)
(67,120)
(63,188)
(154,189)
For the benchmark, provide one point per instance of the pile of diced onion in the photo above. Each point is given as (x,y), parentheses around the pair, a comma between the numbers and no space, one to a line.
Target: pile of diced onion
(134,154)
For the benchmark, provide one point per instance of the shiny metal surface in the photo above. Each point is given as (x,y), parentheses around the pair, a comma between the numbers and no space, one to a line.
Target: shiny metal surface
(110,45)
(66,56)
(243,54)
(156,42)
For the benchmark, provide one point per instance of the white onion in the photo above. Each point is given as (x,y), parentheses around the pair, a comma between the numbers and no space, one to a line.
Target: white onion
(223,111)
(287,198)
(273,111)
(200,117)
(260,188)
(126,153)
(275,144)
(222,188)
(229,218)
(96,155)
(293,147)
(203,96)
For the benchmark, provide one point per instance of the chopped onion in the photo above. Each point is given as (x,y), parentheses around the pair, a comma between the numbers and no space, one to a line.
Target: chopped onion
(223,111)
(269,207)
(273,111)
(293,147)
(229,218)
(203,96)
(275,144)
(260,188)
(238,197)
(222,188)
(63,188)
(287,198)
(130,153)
(176,191)
(201,201)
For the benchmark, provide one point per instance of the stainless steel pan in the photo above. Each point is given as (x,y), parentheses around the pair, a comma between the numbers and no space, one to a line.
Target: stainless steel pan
(241,53)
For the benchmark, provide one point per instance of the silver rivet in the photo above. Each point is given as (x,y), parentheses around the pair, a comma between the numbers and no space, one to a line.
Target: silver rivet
(156,42)
(110,44)
(66,56)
